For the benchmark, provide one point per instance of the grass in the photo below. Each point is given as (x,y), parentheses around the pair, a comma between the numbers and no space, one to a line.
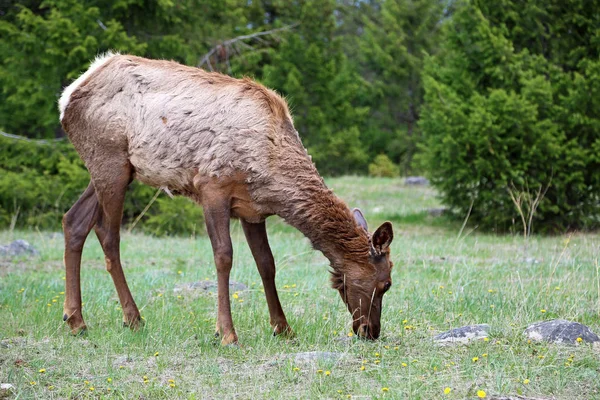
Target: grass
(440,281)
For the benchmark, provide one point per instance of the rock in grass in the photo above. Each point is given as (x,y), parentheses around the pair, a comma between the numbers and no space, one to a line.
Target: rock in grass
(463,334)
(210,286)
(561,331)
(18,248)
(416,180)
(6,390)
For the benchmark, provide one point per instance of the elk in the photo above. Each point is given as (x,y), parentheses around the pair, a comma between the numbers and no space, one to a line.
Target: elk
(231,146)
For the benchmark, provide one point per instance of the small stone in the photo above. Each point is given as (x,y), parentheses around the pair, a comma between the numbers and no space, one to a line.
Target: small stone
(560,331)
(416,181)
(18,248)
(316,356)
(437,212)
(5,390)
(463,334)
(210,286)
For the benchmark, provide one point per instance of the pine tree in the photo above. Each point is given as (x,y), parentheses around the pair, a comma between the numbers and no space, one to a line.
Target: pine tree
(310,69)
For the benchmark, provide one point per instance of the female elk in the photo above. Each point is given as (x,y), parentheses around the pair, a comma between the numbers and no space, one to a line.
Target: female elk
(228,144)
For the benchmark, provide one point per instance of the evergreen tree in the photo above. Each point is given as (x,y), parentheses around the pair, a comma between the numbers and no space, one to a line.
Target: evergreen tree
(395,42)
(310,68)
(513,108)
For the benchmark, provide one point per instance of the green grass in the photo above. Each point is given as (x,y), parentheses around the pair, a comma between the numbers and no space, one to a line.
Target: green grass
(440,281)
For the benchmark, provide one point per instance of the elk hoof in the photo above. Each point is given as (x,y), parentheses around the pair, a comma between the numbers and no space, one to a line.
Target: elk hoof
(229,339)
(284,331)
(135,324)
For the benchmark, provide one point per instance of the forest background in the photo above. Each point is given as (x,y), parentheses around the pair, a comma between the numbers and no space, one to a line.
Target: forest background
(497,102)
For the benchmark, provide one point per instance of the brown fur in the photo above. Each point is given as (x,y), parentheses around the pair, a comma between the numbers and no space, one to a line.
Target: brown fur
(230,145)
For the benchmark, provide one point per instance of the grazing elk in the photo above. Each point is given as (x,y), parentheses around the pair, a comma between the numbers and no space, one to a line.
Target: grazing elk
(228,144)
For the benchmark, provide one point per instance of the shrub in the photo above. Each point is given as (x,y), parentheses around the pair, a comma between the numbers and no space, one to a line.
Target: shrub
(505,116)
(40,181)
(384,167)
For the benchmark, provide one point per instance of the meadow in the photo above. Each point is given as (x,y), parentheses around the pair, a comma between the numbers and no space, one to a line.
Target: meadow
(444,277)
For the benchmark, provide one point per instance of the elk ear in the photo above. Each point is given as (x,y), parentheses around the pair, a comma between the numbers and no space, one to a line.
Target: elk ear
(360,218)
(382,238)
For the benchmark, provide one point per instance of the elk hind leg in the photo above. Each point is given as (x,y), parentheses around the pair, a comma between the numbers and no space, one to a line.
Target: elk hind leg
(216,216)
(77,224)
(110,189)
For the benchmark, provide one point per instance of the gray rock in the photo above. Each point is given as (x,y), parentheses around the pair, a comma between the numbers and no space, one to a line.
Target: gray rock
(463,334)
(210,286)
(416,180)
(560,331)
(316,356)
(437,212)
(18,248)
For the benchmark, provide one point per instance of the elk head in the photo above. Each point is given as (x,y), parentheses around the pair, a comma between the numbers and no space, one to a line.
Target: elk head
(363,283)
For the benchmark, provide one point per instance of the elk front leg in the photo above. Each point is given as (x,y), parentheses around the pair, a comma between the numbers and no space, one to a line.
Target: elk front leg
(256,236)
(217,215)
(77,224)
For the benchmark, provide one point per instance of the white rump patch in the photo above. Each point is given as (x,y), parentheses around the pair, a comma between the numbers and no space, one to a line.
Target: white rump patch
(63,102)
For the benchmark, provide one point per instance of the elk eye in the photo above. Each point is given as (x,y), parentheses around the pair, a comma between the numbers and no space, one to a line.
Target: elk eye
(387,286)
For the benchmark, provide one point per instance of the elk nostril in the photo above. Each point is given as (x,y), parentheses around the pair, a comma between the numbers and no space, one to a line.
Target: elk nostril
(363,331)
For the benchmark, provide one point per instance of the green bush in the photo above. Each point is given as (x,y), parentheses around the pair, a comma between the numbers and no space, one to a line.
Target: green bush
(40,181)
(383,166)
(505,115)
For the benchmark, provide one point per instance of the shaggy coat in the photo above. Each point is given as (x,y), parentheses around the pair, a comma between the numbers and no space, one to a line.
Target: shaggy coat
(218,140)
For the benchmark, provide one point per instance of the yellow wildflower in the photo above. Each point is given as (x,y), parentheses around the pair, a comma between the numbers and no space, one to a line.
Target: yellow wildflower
(404,364)
(579,340)
(235,295)
(475,359)
(362,368)
(542,310)
(526,381)
(156,354)
(385,389)
(327,373)
(447,390)
(319,371)
(481,394)
(109,380)
(350,334)
(41,371)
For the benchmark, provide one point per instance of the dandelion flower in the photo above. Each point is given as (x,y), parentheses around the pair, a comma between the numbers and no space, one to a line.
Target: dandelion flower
(86,382)
(327,373)
(377,361)
(542,310)
(447,390)
(156,354)
(32,383)
(377,354)
(385,389)
(526,381)
(51,387)
(404,364)
(41,371)
(486,339)
(579,340)
(484,355)
(481,394)
(296,369)
(350,334)
(362,368)
(235,295)
(92,389)
(319,371)
(475,359)
(109,380)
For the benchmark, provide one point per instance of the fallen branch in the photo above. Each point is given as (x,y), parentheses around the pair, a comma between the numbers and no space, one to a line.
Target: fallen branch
(38,141)
(224,49)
